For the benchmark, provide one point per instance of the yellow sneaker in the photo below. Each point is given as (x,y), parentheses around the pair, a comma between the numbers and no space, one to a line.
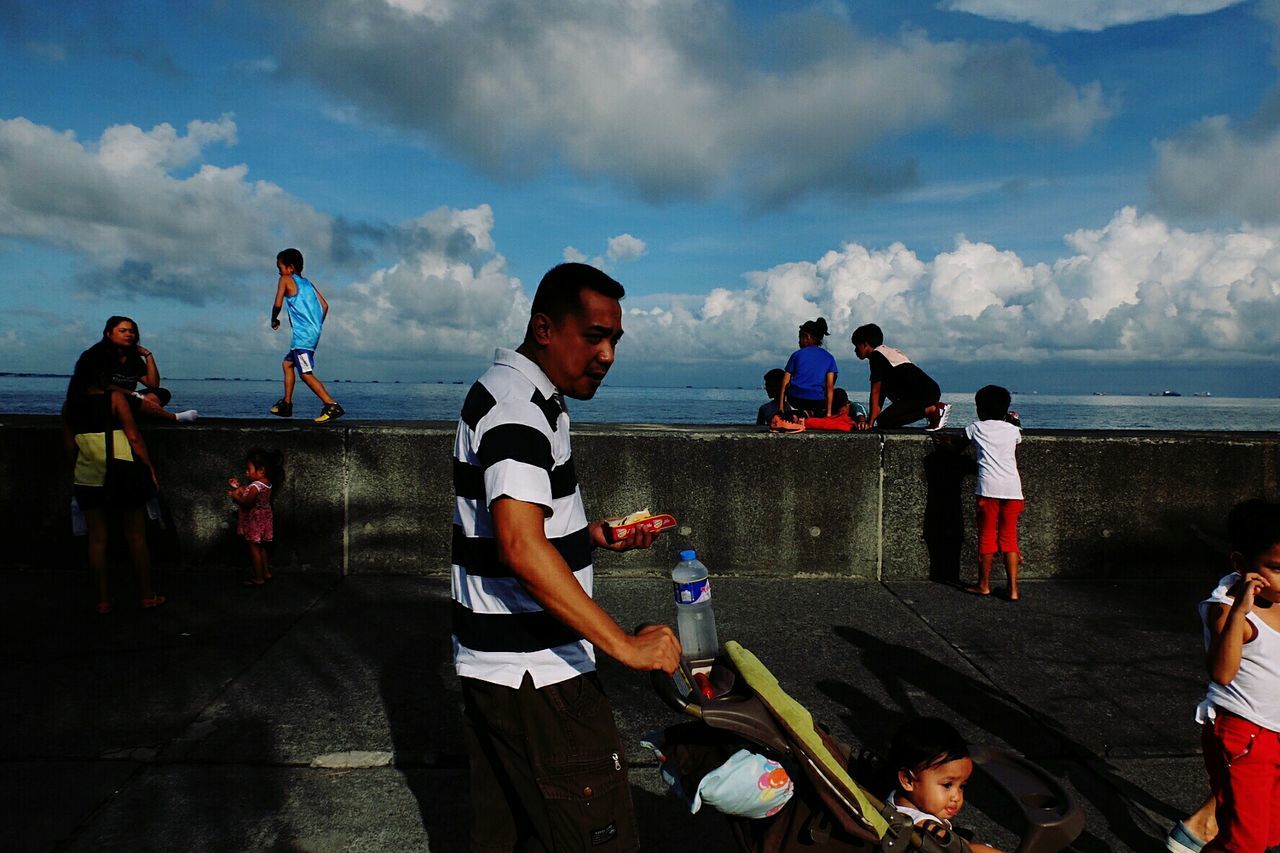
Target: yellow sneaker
(330,412)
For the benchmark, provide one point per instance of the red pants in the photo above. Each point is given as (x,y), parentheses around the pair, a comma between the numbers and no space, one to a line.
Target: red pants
(998,524)
(1243,760)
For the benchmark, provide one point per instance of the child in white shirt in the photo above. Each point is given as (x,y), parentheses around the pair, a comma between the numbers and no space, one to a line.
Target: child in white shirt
(996,435)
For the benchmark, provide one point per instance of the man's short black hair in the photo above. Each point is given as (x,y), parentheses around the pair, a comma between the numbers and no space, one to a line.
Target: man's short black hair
(1254,527)
(992,402)
(291,258)
(559,292)
(868,334)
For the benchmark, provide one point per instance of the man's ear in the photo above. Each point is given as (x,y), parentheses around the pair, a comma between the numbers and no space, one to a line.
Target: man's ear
(540,327)
(906,780)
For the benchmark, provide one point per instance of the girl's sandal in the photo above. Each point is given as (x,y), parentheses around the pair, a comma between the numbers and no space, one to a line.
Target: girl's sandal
(252,583)
(104,607)
(153,602)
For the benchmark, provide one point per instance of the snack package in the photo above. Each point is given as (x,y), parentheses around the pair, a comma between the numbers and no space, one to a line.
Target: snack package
(620,531)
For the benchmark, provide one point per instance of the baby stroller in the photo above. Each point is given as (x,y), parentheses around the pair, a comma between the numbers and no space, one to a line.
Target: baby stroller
(735,702)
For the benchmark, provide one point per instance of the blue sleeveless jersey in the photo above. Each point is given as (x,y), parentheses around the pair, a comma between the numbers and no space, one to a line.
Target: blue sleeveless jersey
(305,315)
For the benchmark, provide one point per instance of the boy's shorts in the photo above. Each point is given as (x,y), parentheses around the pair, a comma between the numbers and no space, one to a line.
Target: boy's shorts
(303,360)
(998,524)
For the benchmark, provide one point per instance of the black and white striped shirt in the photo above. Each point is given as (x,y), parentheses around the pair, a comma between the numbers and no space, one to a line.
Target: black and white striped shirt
(513,441)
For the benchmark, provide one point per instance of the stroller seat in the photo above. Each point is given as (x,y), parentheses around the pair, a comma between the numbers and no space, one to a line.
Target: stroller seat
(750,703)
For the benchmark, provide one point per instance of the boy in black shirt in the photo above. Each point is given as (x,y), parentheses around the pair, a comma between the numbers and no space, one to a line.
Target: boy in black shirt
(913,394)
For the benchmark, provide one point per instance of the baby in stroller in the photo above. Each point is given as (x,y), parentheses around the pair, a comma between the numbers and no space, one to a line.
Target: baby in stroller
(932,766)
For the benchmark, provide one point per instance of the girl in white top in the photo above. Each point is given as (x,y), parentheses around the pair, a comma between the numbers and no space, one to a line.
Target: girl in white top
(996,435)
(1241,711)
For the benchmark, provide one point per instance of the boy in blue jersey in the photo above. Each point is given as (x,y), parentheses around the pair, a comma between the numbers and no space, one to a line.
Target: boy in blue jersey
(307,310)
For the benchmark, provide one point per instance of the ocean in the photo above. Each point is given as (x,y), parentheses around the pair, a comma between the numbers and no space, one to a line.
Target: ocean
(439,401)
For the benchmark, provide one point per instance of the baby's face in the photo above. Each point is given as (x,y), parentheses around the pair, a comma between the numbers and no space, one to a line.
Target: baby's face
(940,790)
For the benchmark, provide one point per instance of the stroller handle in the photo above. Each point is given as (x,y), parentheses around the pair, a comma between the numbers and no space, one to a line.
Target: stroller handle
(668,689)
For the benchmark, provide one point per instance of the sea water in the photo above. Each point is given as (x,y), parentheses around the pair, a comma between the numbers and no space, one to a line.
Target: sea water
(441,401)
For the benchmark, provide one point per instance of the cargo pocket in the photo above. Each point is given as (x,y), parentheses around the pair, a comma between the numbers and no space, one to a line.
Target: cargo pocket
(1235,736)
(589,805)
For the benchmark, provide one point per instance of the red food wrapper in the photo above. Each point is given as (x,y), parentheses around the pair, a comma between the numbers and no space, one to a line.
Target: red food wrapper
(623,532)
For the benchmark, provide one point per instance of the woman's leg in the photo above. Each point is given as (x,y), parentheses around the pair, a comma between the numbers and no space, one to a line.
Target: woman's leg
(134,521)
(151,408)
(96,521)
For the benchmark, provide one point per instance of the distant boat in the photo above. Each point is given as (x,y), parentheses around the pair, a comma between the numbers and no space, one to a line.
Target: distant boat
(1099,393)
(1167,393)
(1202,394)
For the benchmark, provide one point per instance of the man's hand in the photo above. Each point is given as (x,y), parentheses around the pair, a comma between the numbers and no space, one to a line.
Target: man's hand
(641,538)
(275,323)
(653,647)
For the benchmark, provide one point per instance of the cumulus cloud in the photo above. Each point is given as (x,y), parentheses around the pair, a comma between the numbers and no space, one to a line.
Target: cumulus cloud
(143,214)
(1134,290)
(1087,15)
(448,295)
(620,250)
(668,97)
(624,248)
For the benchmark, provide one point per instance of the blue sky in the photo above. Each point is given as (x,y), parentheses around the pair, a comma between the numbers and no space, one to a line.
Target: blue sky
(1059,196)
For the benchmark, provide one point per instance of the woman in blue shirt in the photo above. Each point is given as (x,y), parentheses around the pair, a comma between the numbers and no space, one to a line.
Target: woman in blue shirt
(810,375)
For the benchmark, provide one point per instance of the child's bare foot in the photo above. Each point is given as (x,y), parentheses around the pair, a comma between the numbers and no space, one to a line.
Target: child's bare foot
(1011,594)
(977,590)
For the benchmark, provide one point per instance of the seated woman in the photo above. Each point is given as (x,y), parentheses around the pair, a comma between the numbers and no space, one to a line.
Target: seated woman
(134,365)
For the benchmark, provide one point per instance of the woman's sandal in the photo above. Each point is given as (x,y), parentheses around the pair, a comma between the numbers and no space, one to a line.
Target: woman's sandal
(253,583)
(153,601)
(104,607)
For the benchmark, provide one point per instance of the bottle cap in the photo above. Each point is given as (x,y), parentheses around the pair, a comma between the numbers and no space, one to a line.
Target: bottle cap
(689,555)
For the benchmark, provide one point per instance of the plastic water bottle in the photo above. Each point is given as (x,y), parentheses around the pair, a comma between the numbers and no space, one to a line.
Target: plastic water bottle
(79,527)
(695,621)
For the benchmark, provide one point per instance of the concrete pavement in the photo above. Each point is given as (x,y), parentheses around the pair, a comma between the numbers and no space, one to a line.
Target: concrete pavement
(222,721)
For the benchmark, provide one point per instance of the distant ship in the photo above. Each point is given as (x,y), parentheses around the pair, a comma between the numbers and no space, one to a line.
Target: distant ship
(1165,393)
(1202,394)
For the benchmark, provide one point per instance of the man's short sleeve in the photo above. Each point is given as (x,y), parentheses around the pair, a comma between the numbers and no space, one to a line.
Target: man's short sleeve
(517,460)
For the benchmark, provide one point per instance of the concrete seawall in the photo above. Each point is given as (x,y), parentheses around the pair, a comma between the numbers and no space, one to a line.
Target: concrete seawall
(365,497)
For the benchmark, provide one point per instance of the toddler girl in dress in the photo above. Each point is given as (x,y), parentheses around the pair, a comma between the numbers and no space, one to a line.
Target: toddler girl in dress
(264,469)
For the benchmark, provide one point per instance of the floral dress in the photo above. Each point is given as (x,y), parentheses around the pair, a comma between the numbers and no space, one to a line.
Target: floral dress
(256,523)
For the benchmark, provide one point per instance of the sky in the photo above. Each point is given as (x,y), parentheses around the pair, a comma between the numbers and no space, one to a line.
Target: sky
(1061,197)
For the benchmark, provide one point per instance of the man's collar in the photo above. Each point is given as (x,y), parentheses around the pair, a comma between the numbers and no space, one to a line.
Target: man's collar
(526,366)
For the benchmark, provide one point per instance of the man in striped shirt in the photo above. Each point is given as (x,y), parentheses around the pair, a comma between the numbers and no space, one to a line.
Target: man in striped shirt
(548,771)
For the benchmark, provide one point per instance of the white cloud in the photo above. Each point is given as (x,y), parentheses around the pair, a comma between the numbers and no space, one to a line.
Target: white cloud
(1134,290)
(619,250)
(449,295)
(670,98)
(121,206)
(625,248)
(1088,15)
